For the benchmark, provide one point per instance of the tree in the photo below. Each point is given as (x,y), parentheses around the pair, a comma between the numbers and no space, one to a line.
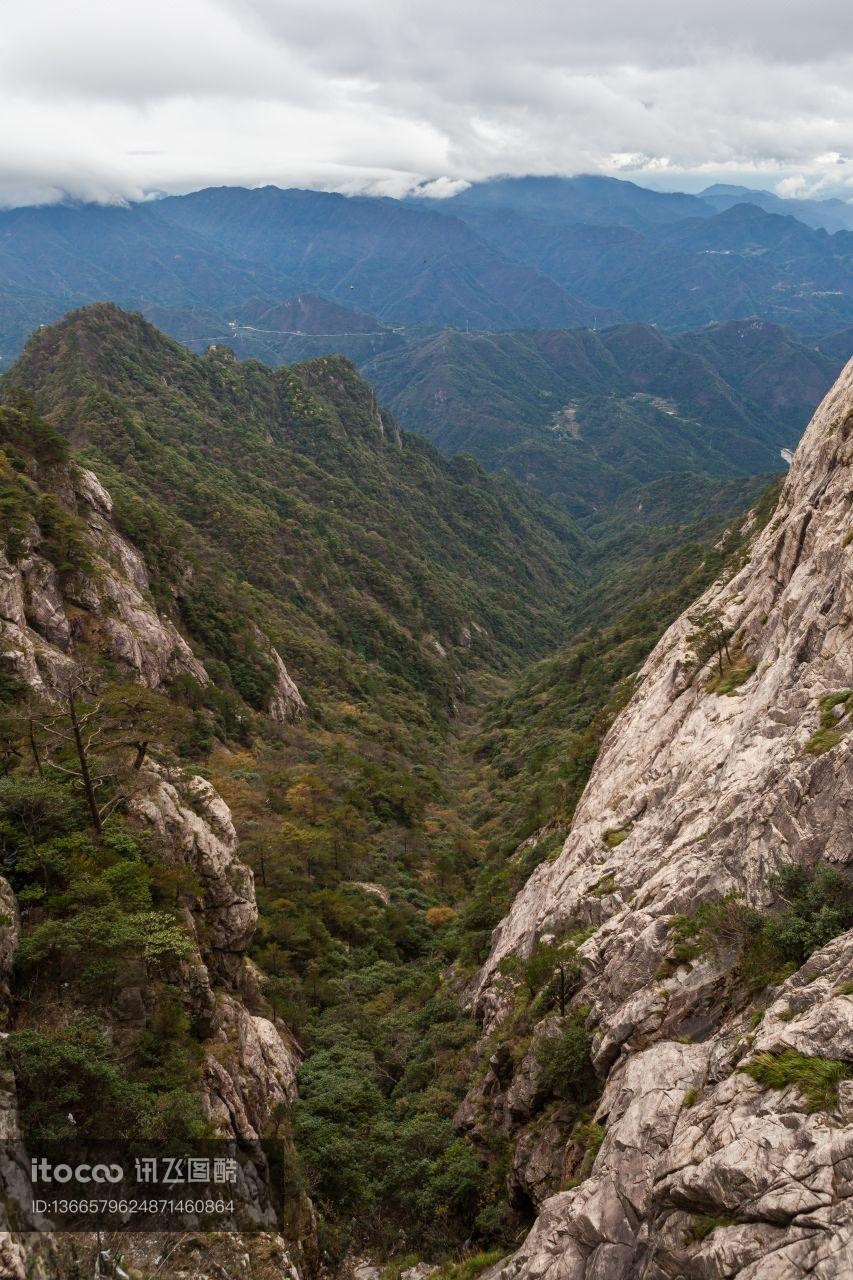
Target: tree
(99,741)
(710,637)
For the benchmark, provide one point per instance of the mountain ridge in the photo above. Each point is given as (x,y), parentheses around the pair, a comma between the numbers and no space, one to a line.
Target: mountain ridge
(716,818)
(193,259)
(585,416)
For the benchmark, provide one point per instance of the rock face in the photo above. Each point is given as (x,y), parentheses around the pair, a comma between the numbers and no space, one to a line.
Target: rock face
(703,1172)
(249,1074)
(43,613)
(286,704)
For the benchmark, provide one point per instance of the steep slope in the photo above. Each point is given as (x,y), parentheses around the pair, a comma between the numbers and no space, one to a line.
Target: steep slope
(538,738)
(128,1002)
(700,914)
(585,416)
(298,483)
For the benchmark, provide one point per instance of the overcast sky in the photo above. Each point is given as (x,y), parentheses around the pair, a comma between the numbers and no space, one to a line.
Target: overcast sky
(113,99)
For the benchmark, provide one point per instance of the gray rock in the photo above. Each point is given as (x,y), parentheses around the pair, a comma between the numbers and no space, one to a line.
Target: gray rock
(715,792)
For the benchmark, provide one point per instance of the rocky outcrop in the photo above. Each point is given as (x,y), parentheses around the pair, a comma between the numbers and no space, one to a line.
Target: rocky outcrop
(196,830)
(286,705)
(106,603)
(706,785)
(249,1072)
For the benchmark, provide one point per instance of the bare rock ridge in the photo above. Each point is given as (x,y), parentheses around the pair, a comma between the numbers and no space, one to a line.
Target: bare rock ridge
(703,788)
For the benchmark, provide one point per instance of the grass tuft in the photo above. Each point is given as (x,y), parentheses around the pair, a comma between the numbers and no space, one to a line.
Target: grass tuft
(734,674)
(705,1224)
(822,741)
(816,1078)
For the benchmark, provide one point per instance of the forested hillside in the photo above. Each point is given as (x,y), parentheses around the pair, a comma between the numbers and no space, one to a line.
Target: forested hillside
(295,483)
(586,417)
(280,515)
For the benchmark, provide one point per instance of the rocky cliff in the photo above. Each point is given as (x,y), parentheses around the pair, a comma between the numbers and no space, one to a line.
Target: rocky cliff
(732,762)
(75,593)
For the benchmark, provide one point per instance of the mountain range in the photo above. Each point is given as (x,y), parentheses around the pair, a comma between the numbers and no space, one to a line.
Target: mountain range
(704,268)
(502,255)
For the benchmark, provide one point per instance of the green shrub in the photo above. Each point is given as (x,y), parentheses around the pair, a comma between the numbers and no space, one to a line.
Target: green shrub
(735,673)
(471,1267)
(819,906)
(822,741)
(814,905)
(65,542)
(589,1134)
(827,735)
(565,1066)
(74,1071)
(606,885)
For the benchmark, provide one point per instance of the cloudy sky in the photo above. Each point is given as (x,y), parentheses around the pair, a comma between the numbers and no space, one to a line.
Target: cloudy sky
(120,99)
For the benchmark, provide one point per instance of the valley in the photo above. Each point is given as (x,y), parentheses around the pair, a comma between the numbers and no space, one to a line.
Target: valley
(474,703)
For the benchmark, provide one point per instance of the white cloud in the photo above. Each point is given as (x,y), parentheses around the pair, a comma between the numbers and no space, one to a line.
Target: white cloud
(110,100)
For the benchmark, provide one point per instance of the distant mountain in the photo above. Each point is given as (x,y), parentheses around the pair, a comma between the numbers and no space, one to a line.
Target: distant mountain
(601,201)
(308,315)
(284,332)
(61,256)
(831,214)
(192,261)
(838,345)
(590,199)
(540,253)
(768,369)
(585,417)
(681,274)
(404,264)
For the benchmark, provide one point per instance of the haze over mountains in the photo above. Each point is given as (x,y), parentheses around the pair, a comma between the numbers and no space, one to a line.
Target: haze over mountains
(538,253)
